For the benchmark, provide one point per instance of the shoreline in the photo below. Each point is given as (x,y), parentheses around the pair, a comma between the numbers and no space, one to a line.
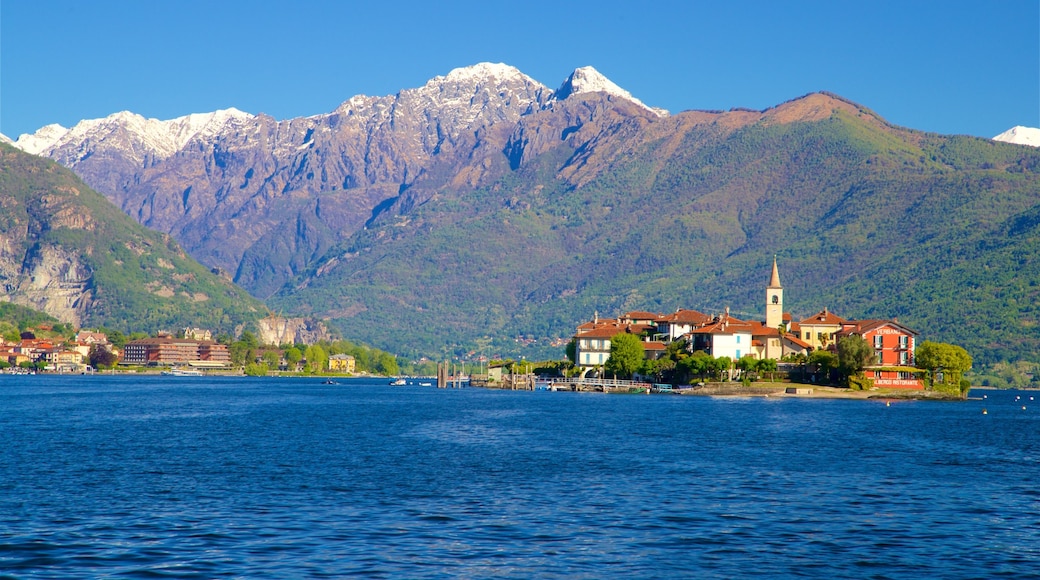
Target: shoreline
(779,390)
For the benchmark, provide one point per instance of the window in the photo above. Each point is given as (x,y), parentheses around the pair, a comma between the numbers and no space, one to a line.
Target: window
(904,341)
(776,299)
(879,341)
(738,341)
(808,335)
(880,358)
(738,354)
(903,357)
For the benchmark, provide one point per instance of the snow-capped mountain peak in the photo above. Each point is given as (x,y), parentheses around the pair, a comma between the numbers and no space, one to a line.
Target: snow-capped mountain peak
(589,80)
(484,70)
(1020,135)
(160,138)
(41,140)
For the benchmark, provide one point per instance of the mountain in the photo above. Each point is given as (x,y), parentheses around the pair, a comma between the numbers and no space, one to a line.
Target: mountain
(261,198)
(1020,135)
(67,251)
(609,208)
(484,205)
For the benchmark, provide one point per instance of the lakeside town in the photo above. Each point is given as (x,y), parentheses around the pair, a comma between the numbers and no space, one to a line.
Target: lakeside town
(824,348)
(682,349)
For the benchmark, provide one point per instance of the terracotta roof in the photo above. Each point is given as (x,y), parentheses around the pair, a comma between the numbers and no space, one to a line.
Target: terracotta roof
(862,326)
(608,331)
(641,315)
(824,317)
(597,323)
(790,337)
(683,316)
(759,329)
(724,326)
(654,345)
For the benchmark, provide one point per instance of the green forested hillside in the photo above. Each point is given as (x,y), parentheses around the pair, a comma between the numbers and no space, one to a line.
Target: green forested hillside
(866,219)
(67,248)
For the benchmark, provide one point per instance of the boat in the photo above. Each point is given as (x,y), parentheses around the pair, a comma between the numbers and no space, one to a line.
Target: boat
(399,382)
(329,382)
(427,384)
(181,372)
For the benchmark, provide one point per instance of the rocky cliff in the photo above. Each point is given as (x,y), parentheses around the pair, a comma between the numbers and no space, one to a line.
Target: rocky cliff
(67,251)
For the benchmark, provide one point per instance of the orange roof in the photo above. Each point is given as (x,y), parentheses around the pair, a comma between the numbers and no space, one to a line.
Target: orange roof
(759,329)
(641,315)
(863,326)
(790,337)
(607,331)
(724,326)
(683,316)
(597,323)
(824,317)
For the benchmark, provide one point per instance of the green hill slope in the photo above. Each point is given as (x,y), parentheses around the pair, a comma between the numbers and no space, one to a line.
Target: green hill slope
(67,251)
(867,219)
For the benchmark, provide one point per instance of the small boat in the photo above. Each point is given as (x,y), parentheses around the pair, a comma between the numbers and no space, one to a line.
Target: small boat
(181,372)
(329,382)
(425,384)
(399,382)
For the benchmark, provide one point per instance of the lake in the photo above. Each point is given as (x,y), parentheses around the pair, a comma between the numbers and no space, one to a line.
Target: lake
(145,477)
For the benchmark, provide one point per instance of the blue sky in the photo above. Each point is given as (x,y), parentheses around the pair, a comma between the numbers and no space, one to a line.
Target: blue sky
(958,67)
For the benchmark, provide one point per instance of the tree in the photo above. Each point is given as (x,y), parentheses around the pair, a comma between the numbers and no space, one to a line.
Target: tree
(767,365)
(949,360)
(271,359)
(386,364)
(293,356)
(823,362)
(100,357)
(854,354)
(316,358)
(255,369)
(626,355)
(721,367)
(572,351)
(747,365)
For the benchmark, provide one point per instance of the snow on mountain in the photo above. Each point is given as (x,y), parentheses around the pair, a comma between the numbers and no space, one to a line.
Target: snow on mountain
(158,138)
(589,80)
(6,139)
(1020,135)
(41,140)
(481,94)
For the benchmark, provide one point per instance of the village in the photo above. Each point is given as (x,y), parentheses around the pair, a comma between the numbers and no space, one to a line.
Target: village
(192,349)
(777,338)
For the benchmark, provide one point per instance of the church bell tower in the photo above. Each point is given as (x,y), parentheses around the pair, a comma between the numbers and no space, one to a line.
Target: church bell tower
(774,299)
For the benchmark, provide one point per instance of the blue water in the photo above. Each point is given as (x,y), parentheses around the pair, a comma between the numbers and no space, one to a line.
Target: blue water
(288,478)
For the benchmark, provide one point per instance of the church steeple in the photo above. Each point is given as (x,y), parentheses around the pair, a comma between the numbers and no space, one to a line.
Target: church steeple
(774,299)
(774,280)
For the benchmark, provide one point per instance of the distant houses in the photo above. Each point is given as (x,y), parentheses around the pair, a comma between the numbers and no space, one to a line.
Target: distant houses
(342,363)
(48,354)
(777,337)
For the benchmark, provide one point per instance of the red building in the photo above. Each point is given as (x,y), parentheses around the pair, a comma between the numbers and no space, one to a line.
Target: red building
(894,346)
